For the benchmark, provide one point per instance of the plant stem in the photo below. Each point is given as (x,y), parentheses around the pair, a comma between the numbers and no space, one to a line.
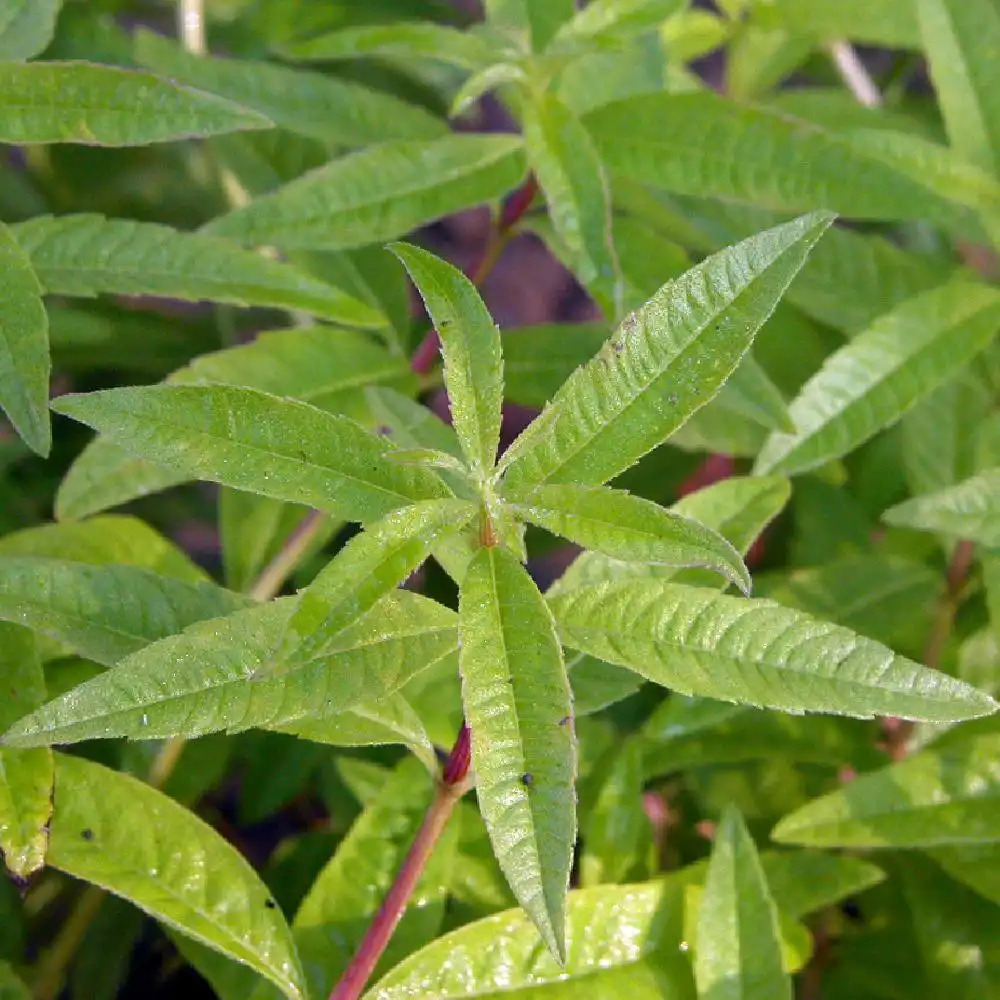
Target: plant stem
(852,71)
(55,961)
(283,564)
(191,21)
(452,786)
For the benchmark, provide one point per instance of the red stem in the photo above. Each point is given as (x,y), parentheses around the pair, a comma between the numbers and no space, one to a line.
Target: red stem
(451,788)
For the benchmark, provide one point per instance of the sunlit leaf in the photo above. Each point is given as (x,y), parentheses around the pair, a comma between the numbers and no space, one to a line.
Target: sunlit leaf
(695,641)
(108,106)
(253,441)
(632,529)
(25,775)
(470,344)
(870,383)
(221,675)
(379,193)
(118,833)
(642,386)
(519,712)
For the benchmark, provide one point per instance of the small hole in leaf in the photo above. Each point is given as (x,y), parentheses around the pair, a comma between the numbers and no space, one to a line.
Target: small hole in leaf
(87,834)
(270,904)
(527,779)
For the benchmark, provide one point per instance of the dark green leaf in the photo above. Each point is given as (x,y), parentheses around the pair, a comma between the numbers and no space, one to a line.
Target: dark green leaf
(24,346)
(108,106)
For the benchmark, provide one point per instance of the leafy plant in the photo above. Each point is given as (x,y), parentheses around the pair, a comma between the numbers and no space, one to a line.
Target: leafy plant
(385,583)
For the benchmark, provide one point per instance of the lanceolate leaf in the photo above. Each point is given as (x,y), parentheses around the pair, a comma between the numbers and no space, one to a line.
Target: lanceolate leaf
(26,27)
(260,443)
(24,347)
(960,38)
(889,22)
(536,20)
(632,529)
(618,18)
(104,612)
(88,254)
(739,945)
(701,144)
(644,383)
(470,343)
(519,710)
(379,193)
(369,566)
(220,675)
(114,539)
(25,775)
(118,833)
(313,104)
(335,914)
(946,794)
(105,475)
(569,171)
(870,383)
(414,39)
(108,106)
(695,641)
(971,509)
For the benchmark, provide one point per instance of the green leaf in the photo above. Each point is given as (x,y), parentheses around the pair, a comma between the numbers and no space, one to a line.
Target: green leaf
(946,794)
(24,346)
(960,38)
(622,941)
(872,381)
(100,541)
(25,775)
(889,22)
(253,441)
(538,359)
(751,393)
(312,104)
(118,833)
(597,684)
(519,711)
(104,475)
(108,106)
(470,344)
(368,567)
(971,509)
(328,368)
(379,193)
(220,675)
(738,509)
(695,641)
(88,254)
(617,824)
(26,27)
(632,529)
(389,720)
(104,612)
(739,953)
(12,987)
(342,901)
(611,412)
(618,19)
(702,144)
(539,20)
(406,39)
(570,174)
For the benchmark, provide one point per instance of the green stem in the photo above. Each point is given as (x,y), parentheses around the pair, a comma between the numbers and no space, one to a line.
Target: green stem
(53,965)
(277,571)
